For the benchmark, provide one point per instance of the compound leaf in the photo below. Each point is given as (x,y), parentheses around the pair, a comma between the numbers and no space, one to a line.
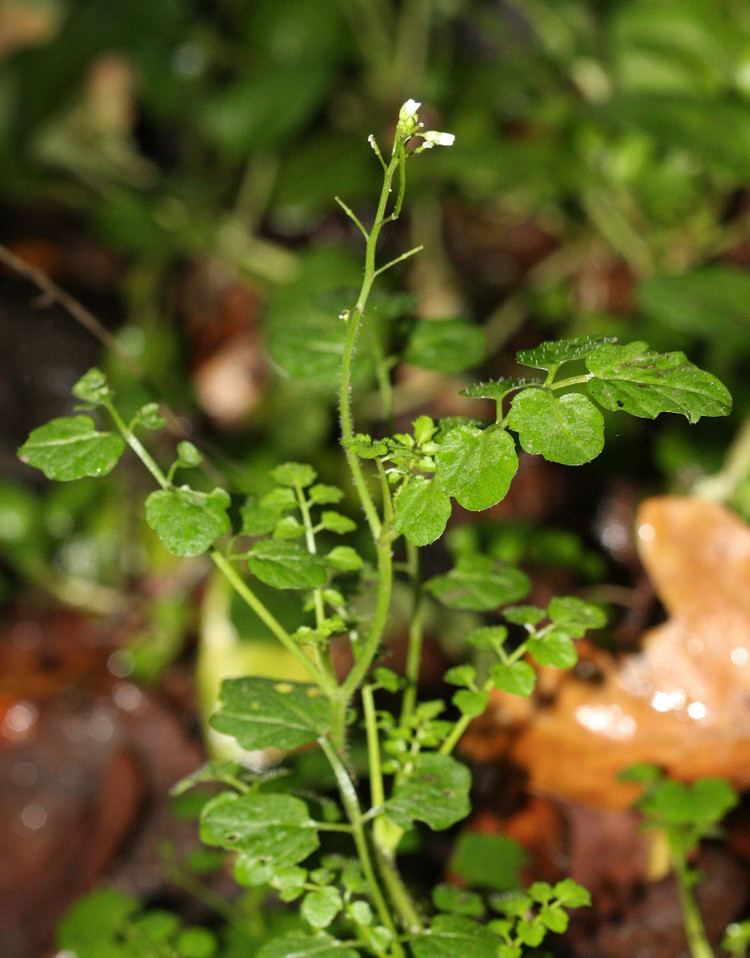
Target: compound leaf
(476,466)
(70,448)
(567,429)
(261,713)
(186,521)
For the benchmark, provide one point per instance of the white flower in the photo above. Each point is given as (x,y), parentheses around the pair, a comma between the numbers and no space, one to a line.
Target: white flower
(408,111)
(408,120)
(435,138)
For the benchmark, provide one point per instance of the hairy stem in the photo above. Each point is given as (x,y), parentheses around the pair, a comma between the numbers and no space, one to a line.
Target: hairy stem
(414,649)
(354,813)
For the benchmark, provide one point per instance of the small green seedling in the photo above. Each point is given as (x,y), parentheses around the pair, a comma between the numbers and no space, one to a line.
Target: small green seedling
(686,814)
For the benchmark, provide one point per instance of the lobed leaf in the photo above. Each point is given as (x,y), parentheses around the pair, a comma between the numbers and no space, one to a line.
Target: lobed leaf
(567,429)
(643,383)
(71,448)
(479,584)
(476,466)
(451,935)
(270,830)
(186,521)
(421,511)
(436,793)
(556,649)
(550,354)
(297,945)
(294,474)
(496,389)
(517,678)
(264,713)
(286,565)
(344,559)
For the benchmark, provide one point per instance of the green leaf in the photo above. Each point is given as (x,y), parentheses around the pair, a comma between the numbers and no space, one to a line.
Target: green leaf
(320,907)
(575,615)
(257,520)
(344,559)
(94,920)
(451,935)
(551,354)
(323,495)
(487,637)
(645,383)
(554,918)
(286,565)
(517,678)
(269,829)
(556,649)
(476,466)
(457,901)
(471,704)
(445,345)
(336,522)
(186,521)
(479,583)
(294,474)
(461,675)
(421,511)
(488,861)
(702,804)
(282,500)
(288,528)
(188,455)
(524,614)
(496,389)
(149,417)
(265,713)
(92,388)
(567,429)
(211,772)
(365,447)
(71,448)
(196,943)
(531,932)
(436,793)
(297,945)
(571,894)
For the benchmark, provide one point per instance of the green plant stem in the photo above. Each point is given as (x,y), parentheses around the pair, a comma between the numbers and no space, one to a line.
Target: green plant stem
(137,446)
(461,725)
(323,680)
(380,617)
(273,624)
(694,928)
(312,548)
(377,792)
(414,648)
(354,813)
